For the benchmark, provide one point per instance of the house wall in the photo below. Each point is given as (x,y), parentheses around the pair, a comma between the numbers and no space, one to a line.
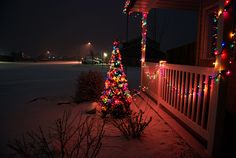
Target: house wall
(231,108)
(184,55)
(131,52)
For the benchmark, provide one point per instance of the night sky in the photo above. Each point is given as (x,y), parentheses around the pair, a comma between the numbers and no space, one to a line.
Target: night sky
(64,26)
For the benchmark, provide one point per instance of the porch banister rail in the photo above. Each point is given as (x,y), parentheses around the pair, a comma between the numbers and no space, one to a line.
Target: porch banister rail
(189,93)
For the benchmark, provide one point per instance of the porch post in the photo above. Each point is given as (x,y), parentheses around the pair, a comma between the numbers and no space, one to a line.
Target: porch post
(218,62)
(215,128)
(225,36)
(144,38)
(143,43)
(222,64)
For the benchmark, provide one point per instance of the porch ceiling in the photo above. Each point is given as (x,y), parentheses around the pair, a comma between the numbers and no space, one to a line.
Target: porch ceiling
(146,5)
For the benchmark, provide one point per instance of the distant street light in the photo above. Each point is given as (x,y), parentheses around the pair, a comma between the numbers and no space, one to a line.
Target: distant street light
(104,56)
(48,55)
(91,51)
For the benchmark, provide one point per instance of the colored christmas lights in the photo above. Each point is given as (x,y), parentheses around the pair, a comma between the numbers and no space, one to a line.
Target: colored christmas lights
(232,38)
(144,37)
(214,34)
(127,3)
(180,91)
(227,48)
(116,98)
(227,5)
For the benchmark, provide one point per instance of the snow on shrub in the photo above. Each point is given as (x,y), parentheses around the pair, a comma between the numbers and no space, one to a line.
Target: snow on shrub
(89,86)
(133,125)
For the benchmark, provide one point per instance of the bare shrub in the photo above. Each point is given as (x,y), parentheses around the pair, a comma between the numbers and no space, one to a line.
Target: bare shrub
(89,86)
(133,125)
(68,138)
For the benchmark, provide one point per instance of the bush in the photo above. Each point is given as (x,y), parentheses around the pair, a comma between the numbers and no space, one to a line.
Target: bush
(133,125)
(89,86)
(68,138)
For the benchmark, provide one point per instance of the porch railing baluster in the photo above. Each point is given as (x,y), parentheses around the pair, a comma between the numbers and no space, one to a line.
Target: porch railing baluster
(188,93)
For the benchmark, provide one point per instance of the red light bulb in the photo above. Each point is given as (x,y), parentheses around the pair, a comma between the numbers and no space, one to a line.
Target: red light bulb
(224,55)
(228,73)
(227,2)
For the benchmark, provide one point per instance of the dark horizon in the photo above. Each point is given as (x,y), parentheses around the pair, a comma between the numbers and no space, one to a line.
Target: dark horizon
(63,27)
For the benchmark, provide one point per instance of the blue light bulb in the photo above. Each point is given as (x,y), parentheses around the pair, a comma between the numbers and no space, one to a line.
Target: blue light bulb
(223,44)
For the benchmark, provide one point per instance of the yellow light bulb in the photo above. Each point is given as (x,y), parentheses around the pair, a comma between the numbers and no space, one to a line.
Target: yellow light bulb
(220,12)
(231,34)
(215,63)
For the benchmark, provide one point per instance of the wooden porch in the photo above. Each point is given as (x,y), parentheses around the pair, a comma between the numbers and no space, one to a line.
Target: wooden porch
(190,98)
(186,98)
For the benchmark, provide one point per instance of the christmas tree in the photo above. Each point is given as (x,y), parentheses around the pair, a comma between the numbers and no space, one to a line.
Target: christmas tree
(116,98)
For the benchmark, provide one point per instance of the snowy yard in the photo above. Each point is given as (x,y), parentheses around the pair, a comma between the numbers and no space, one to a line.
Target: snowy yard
(22,83)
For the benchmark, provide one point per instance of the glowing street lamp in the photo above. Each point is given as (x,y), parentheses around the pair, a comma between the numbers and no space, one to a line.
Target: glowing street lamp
(105,56)
(89,44)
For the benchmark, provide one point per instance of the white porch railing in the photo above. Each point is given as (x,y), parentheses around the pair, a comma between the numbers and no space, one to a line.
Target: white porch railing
(188,93)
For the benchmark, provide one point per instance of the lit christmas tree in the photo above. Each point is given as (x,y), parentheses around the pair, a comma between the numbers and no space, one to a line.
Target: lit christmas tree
(116,98)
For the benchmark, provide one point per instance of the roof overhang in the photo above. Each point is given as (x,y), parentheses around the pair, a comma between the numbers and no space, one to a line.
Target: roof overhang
(146,5)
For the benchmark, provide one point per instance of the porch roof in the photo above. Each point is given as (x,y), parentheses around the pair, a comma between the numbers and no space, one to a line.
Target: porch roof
(146,5)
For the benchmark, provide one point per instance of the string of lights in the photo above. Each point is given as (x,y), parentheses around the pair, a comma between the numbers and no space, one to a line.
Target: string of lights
(116,98)
(144,37)
(125,10)
(226,48)
(214,34)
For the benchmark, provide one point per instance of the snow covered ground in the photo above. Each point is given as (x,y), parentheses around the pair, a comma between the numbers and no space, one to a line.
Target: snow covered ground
(22,83)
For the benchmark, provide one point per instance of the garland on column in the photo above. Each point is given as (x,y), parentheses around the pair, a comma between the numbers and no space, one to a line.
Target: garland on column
(226,48)
(127,3)
(144,37)
(214,34)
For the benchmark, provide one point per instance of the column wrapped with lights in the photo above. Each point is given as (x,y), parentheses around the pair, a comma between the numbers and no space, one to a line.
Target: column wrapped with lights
(144,37)
(214,33)
(232,32)
(125,10)
(225,42)
(116,98)
(232,36)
